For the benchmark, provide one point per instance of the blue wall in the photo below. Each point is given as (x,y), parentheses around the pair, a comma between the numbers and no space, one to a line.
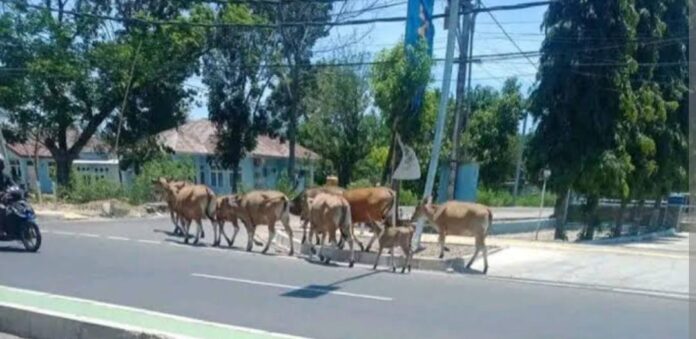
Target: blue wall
(466,185)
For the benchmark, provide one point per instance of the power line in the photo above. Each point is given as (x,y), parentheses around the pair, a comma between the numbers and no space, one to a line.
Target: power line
(533,63)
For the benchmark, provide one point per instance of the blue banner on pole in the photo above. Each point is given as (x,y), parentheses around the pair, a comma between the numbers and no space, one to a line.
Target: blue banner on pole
(419,26)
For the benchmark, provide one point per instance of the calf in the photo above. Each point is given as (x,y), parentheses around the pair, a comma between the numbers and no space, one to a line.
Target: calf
(299,205)
(371,206)
(169,190)
(263,207)
(327,213)
(458,218)
(392,236)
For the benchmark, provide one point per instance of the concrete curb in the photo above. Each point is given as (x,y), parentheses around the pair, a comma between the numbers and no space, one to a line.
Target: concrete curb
(38,324)
(629,239)
(368,258)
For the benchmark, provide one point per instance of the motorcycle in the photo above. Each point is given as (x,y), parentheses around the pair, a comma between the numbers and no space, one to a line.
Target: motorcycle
(20,220)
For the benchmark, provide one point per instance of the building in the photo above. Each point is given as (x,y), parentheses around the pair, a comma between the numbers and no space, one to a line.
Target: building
(93,162)
(259,169)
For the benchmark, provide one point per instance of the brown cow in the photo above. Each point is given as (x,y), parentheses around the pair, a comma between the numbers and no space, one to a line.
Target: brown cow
(224,213)
(393,236)
(169,189)
(372,205)
(191,203)
(458,218)
(299,205)
(263,208)
(327,213)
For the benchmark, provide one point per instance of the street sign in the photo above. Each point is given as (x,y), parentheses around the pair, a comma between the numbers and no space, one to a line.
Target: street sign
(409,167)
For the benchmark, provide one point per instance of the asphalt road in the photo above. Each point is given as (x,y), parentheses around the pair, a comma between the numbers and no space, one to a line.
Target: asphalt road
(133,263)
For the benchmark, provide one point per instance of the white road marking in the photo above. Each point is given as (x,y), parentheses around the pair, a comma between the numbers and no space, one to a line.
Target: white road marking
(152,242)
(64,233)
(117,238)
(291,287)
(89,235)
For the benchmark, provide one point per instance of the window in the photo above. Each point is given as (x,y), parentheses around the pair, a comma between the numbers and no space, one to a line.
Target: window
(15,170)
(216,178)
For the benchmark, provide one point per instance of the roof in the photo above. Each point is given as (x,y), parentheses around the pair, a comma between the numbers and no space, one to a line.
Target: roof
(198,137)
(27,148)
(96,162)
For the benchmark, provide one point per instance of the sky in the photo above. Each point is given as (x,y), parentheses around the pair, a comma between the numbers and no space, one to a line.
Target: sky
(523,26)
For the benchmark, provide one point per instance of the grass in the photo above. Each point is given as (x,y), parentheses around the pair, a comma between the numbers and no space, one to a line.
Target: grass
(503,198)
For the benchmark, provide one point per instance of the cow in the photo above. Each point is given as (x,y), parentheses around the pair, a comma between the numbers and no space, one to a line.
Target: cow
(328,213)
(263,208)
(190,203)
(393,236)
(371,206)
(226,213)
(300,207)
(458,218)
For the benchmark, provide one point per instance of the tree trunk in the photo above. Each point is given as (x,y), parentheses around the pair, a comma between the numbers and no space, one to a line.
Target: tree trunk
(618,222)
(591,219)
(63,165)
(36,174)
(233,180)
(637,218)
(653,224)
(344,174)
(387,163)
(560,211)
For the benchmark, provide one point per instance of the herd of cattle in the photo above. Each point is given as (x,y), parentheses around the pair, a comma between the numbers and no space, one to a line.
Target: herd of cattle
(326,210)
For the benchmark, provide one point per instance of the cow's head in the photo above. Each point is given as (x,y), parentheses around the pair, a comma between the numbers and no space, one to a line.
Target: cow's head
(233,202)
(423,207)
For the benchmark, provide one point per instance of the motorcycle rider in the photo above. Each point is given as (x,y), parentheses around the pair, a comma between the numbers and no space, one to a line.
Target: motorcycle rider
(5,183)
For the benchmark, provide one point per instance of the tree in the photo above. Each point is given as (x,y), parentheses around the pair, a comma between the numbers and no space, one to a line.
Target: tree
(75,72)
(491,138)
(337,125)
(397,75)
(582,99)
(236,80)
(294,46)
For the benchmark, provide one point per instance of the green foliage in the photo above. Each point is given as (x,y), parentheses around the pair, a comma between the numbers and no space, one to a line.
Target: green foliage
(236,81)
(86,189)
(503,198)
(174,169)
(491,138)
(284,184)
(408,198)
(338,125)
(361,183)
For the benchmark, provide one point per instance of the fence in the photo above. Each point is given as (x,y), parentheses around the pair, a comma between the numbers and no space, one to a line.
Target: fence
(635,220)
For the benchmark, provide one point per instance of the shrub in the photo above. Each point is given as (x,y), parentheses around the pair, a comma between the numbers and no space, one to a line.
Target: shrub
(408,198)
(85,189)
(497,198)
(283,184)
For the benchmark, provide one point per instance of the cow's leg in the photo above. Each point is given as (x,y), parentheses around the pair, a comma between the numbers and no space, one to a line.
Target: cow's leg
(392,258)
(376,234)
(312,251)
(406,248)
(351,237)
(271,236)
(476,251)
(304,231)
(321,248)
(441,241)
(251,230)
(235,225)
(484,248)
(186,230)
(177,228)
(217,234)
(379,253)
(285,220)
(199,230)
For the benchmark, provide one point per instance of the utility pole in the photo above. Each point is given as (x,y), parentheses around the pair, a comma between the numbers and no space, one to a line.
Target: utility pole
(441,111)
(519,159)
(461,113)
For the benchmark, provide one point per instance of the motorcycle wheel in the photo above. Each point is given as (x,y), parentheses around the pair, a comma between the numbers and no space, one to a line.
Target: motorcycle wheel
(31,236)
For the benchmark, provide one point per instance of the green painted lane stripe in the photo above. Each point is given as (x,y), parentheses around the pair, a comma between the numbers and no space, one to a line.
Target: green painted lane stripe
(125,317)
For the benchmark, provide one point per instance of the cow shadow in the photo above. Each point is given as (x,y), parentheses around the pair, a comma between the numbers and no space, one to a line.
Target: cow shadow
(13,249)
(313,291)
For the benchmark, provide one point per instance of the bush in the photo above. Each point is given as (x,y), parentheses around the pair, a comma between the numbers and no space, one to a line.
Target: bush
(361,183)
(283,184)
(179,169)
(90,189)
(407,198)
(497,198)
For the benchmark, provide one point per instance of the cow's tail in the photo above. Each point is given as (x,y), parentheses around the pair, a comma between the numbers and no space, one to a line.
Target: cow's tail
(211,205)
(490,221)
(346,222)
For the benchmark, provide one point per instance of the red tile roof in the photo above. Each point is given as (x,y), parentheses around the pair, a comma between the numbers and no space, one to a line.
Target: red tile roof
(198,137)
(27,148)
